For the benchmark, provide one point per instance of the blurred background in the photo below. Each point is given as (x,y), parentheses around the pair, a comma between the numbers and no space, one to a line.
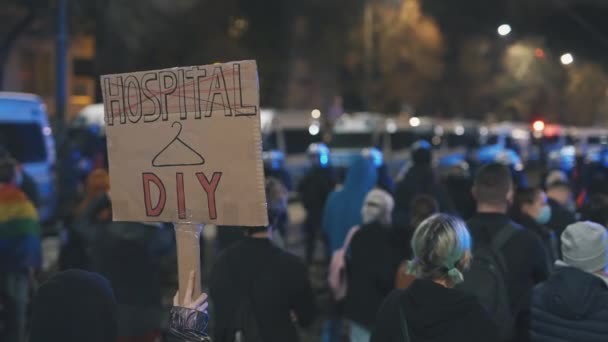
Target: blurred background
(443,58)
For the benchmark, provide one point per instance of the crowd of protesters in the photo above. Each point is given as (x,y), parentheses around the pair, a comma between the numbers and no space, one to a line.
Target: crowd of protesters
(463,258)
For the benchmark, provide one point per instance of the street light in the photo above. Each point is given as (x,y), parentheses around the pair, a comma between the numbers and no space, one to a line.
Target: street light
(566,59)
(504,29)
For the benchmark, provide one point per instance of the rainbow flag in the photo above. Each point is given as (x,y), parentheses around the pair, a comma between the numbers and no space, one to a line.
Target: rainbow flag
(20,244)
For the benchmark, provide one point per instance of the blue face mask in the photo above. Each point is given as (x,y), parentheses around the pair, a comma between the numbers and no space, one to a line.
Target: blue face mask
(544,216)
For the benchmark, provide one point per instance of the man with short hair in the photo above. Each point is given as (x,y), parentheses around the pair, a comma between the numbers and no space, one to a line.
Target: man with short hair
(523,253)
(572,305)
(257,289)
(20,251)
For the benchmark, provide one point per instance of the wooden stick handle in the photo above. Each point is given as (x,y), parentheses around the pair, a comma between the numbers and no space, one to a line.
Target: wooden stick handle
(187,236)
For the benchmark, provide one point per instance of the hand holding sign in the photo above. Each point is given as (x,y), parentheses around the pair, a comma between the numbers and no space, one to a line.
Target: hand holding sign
(200,304)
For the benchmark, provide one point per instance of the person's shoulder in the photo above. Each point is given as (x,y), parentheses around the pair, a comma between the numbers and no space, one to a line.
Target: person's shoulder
(288,260)
(14,205)
(394,298)
(522,234)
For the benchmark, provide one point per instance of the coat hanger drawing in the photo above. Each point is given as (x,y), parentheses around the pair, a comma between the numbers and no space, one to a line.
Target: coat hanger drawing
(177,148)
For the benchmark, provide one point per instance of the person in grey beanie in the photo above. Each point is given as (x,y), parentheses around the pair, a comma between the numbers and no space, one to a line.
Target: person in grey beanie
(572,305)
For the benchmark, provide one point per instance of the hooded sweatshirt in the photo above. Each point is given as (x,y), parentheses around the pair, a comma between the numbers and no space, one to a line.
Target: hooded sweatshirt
(571,306)
(343,207)
(74,306)
(433,314)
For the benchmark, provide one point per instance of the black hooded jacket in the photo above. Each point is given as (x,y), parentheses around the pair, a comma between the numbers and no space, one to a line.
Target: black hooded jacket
(433,314)
(572,306)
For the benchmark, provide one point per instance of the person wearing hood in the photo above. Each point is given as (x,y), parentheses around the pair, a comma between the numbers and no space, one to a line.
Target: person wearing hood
(342,212)
(572,305)
(343,207)
(76,306)
(372,262)
(430,309)
(531,210)
(420,179)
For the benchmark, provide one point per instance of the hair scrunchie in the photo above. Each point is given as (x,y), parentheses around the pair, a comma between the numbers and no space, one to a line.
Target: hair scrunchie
(455,275)
(411,267)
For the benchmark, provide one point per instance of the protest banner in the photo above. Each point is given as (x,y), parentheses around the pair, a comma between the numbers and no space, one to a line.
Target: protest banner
(184,146)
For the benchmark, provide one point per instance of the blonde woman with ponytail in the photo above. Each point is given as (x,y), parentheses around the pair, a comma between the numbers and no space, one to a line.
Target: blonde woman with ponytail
(430,309)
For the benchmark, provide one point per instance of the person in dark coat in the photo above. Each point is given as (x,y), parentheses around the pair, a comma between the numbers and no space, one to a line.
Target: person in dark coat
(419,179)
(572,305)
(314,188)
(596,209)
(524,254)
(273,282)
(458,184)
(561,202)
(372,263)
(430,309)
(531,210)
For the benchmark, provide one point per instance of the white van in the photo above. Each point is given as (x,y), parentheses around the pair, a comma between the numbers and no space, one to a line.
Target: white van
(26,133)
(290,132)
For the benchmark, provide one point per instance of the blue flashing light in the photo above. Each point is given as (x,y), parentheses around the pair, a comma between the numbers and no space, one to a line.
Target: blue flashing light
(376,156)
(324,160)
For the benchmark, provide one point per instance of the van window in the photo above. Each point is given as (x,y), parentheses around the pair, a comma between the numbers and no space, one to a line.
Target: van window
(298,140)
(24,141)
(402,140)
(352,140)
(596,140)
(464,140)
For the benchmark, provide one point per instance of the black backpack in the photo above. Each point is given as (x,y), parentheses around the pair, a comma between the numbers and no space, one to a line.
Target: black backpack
(486,279)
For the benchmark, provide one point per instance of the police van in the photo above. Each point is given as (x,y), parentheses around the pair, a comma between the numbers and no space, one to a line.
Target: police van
(26,133)
(352,133)
(286,136)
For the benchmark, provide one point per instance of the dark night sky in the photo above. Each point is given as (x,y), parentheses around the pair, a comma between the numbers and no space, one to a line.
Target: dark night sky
(579,26)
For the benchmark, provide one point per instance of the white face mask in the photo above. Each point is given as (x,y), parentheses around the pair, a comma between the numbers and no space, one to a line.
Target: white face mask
(370,213)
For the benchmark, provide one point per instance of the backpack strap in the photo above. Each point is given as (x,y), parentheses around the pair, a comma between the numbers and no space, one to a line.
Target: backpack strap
(500,239)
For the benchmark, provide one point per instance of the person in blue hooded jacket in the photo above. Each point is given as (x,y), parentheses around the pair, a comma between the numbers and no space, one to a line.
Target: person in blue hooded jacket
(342,212)
(572,305)
(343,206)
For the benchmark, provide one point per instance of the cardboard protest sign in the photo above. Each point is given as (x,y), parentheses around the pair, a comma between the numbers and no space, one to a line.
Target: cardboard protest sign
(184,145)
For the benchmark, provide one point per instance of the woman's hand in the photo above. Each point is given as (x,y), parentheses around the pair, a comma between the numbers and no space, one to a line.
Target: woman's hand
(200,304)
